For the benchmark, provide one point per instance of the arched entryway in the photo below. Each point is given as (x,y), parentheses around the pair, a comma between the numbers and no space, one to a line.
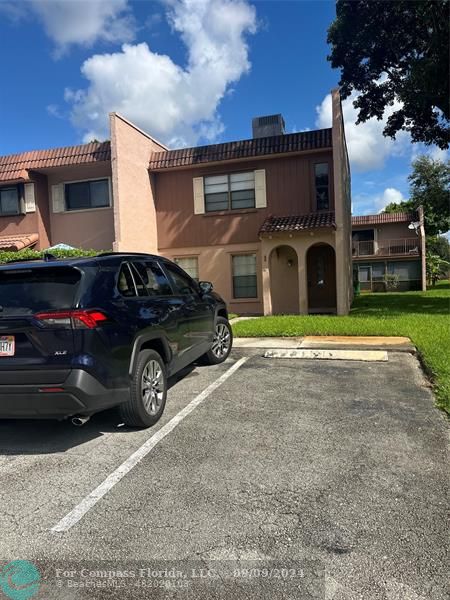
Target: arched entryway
(284,281)
(321,273)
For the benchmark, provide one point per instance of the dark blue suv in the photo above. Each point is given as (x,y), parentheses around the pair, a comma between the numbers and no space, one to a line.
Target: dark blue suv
(81,335)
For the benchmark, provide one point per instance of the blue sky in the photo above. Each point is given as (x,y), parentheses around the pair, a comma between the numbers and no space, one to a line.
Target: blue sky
(192,71)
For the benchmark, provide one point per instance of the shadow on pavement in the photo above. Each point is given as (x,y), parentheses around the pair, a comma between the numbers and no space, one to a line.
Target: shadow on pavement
(43,436)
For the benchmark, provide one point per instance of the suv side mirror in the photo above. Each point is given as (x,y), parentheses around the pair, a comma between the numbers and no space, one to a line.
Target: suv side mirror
(206,287)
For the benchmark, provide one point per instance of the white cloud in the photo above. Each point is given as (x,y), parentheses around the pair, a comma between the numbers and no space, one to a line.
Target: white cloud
(54,111)
(367,147)
(387,197)
(81,22)
(372,204)
(174,103)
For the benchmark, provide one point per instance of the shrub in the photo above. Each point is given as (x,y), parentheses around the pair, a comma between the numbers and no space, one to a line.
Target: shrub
(28,254)
(391,280)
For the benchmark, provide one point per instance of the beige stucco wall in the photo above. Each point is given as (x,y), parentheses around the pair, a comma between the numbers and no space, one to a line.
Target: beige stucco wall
(214,264)
(91,228)
(300,242)
(342,199)
(134,208)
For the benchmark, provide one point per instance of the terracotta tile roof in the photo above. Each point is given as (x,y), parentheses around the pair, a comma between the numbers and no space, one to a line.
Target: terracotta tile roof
(13,243)
(298,222)
(400,217)
(277,144)
(15,166)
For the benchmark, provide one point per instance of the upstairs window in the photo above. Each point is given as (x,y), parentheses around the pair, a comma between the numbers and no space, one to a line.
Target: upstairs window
(83,195)
(9,201)
(230,192)
(321,181)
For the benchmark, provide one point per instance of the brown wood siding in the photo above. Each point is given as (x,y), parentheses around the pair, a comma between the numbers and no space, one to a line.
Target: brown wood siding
(290,191)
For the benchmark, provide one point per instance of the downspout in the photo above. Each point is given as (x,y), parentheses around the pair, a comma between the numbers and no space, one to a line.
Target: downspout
(115,181)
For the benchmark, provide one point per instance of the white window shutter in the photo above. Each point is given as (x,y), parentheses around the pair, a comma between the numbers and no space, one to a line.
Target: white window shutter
(260,189)
(199,196)
(30,202)
(58,197)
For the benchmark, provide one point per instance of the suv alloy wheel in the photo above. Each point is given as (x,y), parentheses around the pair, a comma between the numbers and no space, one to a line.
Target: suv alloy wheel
(148,391)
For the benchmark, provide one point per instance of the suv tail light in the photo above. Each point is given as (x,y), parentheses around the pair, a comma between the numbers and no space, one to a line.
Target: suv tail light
(72,319)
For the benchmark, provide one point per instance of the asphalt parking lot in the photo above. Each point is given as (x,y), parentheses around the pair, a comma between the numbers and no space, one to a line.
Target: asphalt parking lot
(285,479)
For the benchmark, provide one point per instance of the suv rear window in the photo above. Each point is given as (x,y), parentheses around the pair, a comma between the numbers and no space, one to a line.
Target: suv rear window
(27,291)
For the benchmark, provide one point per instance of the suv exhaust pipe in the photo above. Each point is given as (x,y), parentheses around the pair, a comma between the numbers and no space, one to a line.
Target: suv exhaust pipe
(79,421)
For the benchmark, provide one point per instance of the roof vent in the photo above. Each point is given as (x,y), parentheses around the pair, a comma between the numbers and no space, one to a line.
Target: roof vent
(267,126)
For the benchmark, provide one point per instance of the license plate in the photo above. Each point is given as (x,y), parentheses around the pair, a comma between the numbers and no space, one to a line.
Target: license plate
(7,345)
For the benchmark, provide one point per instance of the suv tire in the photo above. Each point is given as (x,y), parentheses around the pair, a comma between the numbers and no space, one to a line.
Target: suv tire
(148,391)
(222,343)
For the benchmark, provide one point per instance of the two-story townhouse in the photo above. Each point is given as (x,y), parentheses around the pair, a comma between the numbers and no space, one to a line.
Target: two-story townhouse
(71,195)
(267,220)
(389,251)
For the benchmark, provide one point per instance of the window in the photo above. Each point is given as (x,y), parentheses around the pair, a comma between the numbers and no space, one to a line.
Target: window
(27,291)
(244,276)
(182,283)
(87,194)
(230,192)
(126,284)
(322,187)
(153,278)
(405,270)
(188,264)
(9,201)
(363,235)
(378,271)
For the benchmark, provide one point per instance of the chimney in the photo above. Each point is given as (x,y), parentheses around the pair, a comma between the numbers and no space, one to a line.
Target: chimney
(268,126)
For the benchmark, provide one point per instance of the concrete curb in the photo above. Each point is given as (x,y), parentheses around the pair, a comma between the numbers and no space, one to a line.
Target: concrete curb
(351,343)
(321,354)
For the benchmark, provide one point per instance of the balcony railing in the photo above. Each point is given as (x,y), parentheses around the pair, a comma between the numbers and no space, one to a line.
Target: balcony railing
(400,247)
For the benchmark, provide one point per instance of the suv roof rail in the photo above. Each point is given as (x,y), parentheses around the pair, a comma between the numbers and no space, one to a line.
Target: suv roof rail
(125,254)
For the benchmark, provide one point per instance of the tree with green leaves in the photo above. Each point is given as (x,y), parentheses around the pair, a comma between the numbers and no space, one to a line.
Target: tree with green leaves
(395,207)
(437,268)
(429,188)
(396,52)
(438,245)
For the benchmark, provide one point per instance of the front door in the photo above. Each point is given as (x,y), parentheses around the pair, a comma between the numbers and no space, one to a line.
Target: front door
(321,268)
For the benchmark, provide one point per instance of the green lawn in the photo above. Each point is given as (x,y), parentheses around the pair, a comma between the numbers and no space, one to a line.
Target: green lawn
(422,316)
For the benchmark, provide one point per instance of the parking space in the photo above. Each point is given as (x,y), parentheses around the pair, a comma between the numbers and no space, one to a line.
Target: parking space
(335,471)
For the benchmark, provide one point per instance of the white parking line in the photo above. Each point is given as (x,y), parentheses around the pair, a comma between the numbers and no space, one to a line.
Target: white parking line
(91,499)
